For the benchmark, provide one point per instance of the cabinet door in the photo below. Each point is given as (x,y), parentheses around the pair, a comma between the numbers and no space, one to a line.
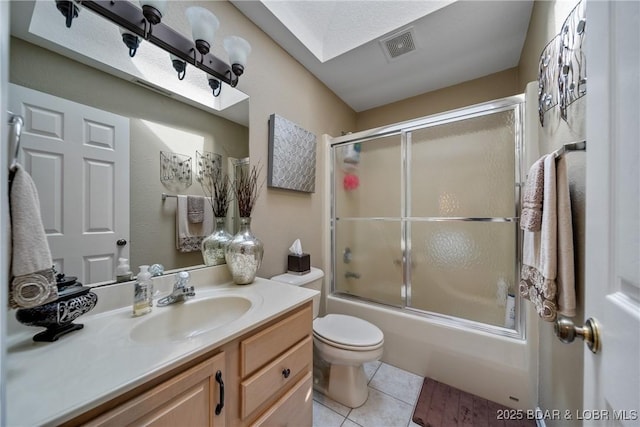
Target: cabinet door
(188,399)
(293,409)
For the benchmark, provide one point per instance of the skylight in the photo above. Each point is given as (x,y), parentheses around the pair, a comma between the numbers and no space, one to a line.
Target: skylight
(332,27)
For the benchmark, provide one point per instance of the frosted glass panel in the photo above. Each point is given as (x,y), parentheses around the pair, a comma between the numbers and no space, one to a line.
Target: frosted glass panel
(464,168)
(367,182)
(372,265)
(423,194)
(463,269)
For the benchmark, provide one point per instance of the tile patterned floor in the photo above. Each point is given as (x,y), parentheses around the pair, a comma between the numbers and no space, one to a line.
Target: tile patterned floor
(392,396)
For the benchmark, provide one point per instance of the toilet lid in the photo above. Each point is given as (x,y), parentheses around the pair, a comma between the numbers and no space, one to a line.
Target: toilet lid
(347,330)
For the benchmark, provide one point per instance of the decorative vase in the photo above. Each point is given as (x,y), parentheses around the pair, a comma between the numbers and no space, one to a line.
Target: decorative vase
(244,254)
(215,244)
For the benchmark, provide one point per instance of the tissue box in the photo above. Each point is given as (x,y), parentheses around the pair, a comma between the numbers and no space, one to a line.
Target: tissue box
(299,264)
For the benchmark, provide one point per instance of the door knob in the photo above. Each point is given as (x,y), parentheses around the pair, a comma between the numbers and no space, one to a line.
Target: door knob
(121,242)
(567,331)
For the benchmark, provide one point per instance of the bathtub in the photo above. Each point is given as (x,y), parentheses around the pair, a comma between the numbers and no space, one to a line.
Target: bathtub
(501,369)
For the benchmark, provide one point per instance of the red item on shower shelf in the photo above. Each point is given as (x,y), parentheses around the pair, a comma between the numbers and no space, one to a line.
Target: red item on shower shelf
(351,182)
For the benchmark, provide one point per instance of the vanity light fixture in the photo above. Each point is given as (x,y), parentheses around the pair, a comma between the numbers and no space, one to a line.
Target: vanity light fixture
(179,65)
(238,50)
(131,41)
(153,10)
(215,85)
(147,23)
(204,25)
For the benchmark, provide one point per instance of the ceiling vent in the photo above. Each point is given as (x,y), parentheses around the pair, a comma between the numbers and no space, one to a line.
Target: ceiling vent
(398,44)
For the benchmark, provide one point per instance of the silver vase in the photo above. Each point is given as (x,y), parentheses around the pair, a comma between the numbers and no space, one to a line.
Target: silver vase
(244,254)
(214,245)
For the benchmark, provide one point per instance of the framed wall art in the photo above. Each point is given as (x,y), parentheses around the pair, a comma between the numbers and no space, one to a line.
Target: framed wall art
(292,156)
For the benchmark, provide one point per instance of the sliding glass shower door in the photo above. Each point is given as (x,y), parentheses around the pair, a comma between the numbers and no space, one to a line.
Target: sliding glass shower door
(462,219)
(425,215)
(368,219)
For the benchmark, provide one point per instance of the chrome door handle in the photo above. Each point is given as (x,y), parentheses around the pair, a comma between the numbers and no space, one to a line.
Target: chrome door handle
(567,331)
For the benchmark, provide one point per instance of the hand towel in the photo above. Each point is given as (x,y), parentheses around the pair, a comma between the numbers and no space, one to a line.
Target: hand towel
(566,281)
(195,209)
(33,280)
(189,236)
(539,254)
(532,198)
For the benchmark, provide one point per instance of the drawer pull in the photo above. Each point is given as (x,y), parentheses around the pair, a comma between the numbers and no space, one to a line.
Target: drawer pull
(286,373)
(220,405)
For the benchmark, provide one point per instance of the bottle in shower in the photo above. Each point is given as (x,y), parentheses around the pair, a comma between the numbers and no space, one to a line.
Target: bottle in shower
(142,292)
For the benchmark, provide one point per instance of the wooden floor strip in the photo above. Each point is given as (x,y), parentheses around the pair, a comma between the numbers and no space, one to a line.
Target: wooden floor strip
(440,405)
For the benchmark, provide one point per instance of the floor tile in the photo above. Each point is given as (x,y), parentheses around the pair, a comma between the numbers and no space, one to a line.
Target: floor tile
(398,383)
(325,417)
(370,368)
(381,410)
(348,423)
(330,403)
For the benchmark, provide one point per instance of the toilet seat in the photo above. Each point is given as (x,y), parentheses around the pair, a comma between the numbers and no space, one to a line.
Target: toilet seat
(347,332)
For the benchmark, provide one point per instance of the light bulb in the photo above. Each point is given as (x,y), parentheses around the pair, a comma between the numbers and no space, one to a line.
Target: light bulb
(238,50)
(204,25)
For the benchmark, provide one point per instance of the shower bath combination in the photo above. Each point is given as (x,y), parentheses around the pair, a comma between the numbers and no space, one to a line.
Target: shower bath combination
(432,229)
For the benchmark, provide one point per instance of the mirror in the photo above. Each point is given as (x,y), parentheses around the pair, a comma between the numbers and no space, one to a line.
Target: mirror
(158,122)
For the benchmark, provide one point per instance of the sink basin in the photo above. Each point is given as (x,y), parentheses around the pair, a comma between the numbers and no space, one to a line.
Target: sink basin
(186,320)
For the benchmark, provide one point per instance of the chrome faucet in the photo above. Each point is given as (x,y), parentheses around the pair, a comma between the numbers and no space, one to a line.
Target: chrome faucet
(351,275)
(180,291)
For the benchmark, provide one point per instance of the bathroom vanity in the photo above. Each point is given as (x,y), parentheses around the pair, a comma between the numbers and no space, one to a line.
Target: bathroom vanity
(243,356)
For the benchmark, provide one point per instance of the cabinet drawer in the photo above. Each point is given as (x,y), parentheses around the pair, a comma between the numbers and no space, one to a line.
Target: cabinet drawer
(266,345)
(267,382)
(293,409)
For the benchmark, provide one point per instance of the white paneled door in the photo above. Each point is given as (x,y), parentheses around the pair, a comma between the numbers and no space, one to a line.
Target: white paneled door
(612,376)
(78,157)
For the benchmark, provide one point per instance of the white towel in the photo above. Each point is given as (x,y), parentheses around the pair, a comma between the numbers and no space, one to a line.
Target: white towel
(566,281)
(33,281)
(540,251)
(189,236)
(548,274)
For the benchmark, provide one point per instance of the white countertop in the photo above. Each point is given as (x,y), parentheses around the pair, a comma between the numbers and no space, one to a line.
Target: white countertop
(49,383)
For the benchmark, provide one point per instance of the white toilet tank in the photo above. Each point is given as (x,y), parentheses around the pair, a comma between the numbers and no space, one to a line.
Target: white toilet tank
(311,280)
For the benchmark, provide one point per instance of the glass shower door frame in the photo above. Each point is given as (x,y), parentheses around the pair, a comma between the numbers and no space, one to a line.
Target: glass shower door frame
(405,130)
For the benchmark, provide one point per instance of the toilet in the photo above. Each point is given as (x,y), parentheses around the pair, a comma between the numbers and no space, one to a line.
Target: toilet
(341,345)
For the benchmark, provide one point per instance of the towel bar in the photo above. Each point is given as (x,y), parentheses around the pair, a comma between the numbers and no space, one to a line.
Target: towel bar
(572,146)
(165,195)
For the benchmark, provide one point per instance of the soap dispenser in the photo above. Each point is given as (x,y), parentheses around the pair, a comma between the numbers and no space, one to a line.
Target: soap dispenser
(143,292)
(123,272)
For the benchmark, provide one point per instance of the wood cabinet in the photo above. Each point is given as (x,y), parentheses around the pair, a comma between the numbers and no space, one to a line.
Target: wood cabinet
(189,399)
(267,376)
(274,360)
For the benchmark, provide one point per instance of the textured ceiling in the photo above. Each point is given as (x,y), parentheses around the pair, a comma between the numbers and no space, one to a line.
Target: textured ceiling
(330,28)
(338,41)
